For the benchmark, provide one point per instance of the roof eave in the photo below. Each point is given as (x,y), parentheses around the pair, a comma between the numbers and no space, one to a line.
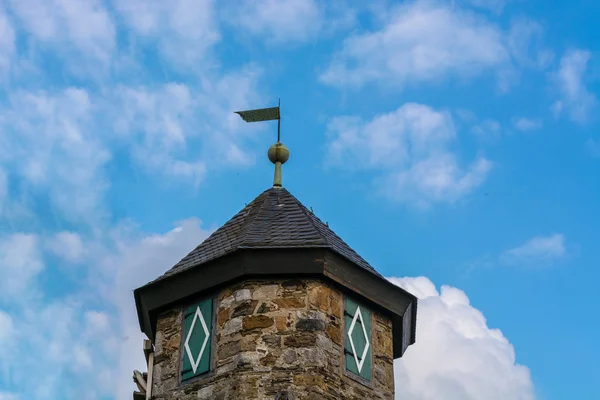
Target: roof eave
(392,300)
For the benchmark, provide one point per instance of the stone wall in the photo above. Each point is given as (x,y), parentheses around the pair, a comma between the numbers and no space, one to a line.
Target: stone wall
(274,340)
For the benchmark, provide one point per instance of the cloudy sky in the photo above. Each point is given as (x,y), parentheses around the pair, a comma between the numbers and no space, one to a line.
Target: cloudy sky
(453,143)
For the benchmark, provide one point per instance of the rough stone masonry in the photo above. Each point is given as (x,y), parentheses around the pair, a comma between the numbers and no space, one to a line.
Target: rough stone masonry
(275,340)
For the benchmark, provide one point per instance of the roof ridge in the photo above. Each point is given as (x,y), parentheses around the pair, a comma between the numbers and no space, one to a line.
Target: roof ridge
(312,217)
(249,226)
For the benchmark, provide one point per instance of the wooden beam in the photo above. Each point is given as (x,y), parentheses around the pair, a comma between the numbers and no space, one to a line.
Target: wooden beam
(147,349)
(139,380)
(150,371)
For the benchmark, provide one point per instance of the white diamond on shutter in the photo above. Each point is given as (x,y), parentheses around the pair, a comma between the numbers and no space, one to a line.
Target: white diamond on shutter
(359,364)
(196,361)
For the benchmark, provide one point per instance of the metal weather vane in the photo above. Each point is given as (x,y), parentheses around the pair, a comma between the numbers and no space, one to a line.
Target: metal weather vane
(278,153)
(264,114)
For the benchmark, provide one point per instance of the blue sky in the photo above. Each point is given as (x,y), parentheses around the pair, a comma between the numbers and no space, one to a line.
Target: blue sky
(453,144)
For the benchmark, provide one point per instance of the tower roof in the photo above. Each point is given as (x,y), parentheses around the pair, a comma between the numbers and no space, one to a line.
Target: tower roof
(275,219)
(275,235)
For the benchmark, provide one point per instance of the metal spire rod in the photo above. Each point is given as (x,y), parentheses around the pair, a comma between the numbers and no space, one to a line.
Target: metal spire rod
(279,121)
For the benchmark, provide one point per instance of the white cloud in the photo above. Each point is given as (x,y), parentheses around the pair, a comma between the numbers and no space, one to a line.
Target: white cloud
(3,191)
(493,5)
(433,41)
(94,349)
(411,148)
(7,43)
(488,129)
(58,333)
(163,117)
(165,123)
(98,322)
(77,353)
(84,34)
(540,250)
(419,42)
(466,116)
(289,21)
(52,145)
(384,141)
(557,108)
(574,96)
(67,245)
(456,356)
(20,262)
(57,142)
(7,329)
(83,28)
(277,21)
(93,41)
(137,261)
(525,42)
(437,180)
(8,338)
(527,124)
(183,30)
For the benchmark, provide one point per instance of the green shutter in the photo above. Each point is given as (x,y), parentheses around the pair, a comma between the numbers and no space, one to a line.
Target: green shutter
(196,349)
(355,335)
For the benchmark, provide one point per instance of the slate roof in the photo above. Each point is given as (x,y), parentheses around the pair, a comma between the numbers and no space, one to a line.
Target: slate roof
(274,219)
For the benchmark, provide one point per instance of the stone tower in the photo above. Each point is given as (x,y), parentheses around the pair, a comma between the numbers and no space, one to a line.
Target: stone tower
(273,305)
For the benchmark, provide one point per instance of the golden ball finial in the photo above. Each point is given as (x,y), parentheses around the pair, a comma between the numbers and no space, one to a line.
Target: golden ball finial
(278,153)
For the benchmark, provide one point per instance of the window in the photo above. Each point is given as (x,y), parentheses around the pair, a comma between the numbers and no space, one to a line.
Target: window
(358,344)
(197,339)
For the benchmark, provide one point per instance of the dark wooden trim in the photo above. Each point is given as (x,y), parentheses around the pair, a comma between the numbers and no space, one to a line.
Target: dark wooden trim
(193,281)
(407,329)
(259,262)
(373,290)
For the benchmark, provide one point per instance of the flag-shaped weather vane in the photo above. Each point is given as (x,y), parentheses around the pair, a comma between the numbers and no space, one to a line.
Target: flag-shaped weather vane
(278,153)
